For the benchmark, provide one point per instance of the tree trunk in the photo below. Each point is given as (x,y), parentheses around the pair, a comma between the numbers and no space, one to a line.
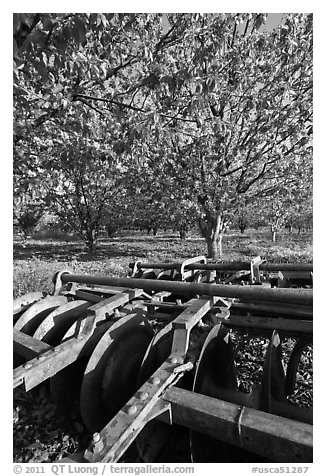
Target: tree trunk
(111,230)
(212,249)
(220,237)
(90,245)
(25,235)
(183,234)
(274,227)
(90,241)
(211,229)
(242,226)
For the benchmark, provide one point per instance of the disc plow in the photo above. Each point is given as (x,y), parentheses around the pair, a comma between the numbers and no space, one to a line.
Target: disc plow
(157,358)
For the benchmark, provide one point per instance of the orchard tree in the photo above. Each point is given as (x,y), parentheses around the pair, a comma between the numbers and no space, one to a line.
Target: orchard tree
(66,65)
(69,148)
(27,216)
(79,191)
(242,216)
(220,102)
(233,104)
(28,204)
(275,206)
(149,197)
(287,198)
(299,215)
(183,217)
(82,175)
(97,60)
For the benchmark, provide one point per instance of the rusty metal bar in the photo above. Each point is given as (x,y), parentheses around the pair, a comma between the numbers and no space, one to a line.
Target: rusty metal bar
(269,435)
(272,436)
(35,371)
(276,309)
(291,326)
(120,432)
(236,266)
(28,347)
(250,400)
(247,293)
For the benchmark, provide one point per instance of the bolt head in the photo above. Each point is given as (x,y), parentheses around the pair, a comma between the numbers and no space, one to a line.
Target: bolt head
(132,410)
(177,360)
(156,380)
(143,396)
(96,437)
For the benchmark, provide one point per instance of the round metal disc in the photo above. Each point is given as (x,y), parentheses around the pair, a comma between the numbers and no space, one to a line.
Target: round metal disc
(216,369)
(148,275)
(293,364)
(65,385)
(159,442)
(53,328)
(156,354)
(32,318)
(110,377)
(22,303)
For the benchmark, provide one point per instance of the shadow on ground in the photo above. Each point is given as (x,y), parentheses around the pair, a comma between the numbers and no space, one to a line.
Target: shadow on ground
(62,251)
(114,248)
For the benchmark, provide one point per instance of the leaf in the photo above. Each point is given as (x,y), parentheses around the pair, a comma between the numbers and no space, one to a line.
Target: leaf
(79,30)
(93,18)
(51,61)
(47,23)
(45,58)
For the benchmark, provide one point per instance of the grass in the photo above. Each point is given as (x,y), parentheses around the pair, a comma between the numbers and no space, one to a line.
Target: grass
(36,261)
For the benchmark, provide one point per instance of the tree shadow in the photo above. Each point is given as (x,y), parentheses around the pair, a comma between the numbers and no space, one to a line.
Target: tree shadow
(67,251)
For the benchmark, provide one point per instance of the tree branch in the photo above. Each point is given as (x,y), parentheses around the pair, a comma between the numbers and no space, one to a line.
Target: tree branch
(25,30)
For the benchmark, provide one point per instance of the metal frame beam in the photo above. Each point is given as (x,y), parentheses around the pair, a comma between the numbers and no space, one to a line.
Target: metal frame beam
(268,435)
(247,293)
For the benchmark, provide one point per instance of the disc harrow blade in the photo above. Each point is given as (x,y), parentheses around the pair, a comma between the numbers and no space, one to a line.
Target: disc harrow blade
(293,364)
(22,303)
(110,378)
(53,328)
(159,442)
(65,385)
(273,382)
(32,317)
(216,371)
(277,385)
